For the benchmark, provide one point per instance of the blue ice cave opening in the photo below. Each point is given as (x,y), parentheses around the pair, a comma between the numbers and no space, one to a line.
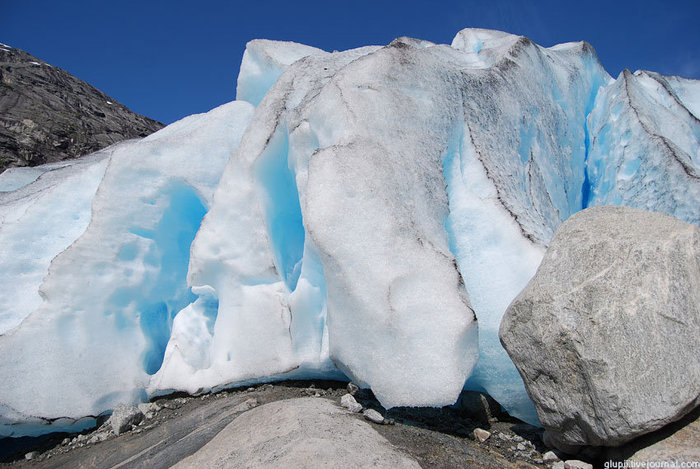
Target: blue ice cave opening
(282,209)
(169,293)
(597,81)
(163,291)
(586,186)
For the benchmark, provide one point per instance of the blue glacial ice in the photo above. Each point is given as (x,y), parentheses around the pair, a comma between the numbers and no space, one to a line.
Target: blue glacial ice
(109,239)
(353,215)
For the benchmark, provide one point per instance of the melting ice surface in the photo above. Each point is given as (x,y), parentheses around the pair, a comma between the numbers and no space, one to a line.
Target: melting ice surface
(351,215)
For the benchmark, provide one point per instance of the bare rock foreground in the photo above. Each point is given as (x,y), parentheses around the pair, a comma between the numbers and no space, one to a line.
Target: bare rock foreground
(190,430)
(298,433)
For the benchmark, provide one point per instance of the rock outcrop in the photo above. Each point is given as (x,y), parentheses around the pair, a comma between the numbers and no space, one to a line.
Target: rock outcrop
(605,334)
(48,115)
(296,433)
(675,443)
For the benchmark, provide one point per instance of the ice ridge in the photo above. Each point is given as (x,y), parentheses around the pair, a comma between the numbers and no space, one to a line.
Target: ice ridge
(351,215)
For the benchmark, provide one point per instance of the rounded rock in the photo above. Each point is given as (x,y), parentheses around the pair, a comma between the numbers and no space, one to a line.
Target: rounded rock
(605,334)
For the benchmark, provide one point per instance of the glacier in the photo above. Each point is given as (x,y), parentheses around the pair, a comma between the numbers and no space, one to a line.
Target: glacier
(365,215)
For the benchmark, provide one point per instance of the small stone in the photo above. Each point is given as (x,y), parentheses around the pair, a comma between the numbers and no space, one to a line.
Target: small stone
(179,402)
(373,416)
(31,455)
(250,389)
(521,447)
(558,465)
(66,441)
(481,435)
(349,402)
(246,405)
(123,417)
(517,438)
(478,407)
(538,461)
(97,437)
(353,388)
(149,408)
(576,464)
(503,437)
(550,456)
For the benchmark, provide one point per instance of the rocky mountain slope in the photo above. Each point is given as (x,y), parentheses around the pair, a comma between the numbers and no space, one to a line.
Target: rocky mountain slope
(48,115)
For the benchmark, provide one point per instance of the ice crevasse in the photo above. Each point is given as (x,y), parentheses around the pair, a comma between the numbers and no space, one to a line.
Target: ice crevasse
(352,214)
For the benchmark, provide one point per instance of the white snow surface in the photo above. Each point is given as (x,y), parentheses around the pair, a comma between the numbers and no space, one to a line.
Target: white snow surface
(355,223)
(112,247)
(263,62)
(38,221)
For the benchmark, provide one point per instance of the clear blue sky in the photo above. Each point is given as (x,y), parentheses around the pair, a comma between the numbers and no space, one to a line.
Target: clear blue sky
(169,59)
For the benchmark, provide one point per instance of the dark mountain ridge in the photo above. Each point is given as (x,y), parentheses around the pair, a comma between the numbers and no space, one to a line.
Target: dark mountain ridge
(48,115)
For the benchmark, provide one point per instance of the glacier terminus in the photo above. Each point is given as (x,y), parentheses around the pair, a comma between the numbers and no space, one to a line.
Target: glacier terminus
(366,215)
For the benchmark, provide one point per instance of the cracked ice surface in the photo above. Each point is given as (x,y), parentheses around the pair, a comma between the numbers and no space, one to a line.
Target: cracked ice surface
(366,141)
(354,223)
(645,150)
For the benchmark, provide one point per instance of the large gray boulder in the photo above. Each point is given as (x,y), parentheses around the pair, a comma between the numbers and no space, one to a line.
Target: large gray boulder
(298,433)
(606,334)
